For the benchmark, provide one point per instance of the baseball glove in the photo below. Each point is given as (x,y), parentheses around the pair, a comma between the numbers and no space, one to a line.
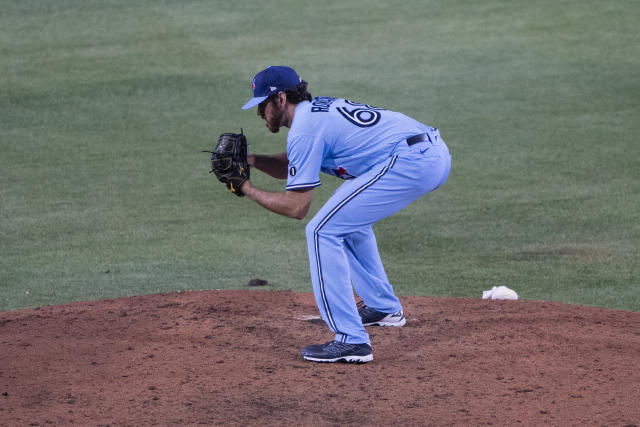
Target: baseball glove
(229,161)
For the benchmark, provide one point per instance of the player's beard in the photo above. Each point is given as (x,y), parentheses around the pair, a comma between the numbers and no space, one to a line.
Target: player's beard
(275,119)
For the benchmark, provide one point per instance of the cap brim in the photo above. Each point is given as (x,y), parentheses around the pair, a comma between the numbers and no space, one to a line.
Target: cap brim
(253,102)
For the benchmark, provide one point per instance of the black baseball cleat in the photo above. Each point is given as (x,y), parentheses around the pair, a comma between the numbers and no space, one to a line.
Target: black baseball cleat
(335,351)
(373,317)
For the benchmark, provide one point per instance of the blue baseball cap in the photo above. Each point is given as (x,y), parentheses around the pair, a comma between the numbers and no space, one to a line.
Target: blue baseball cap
(271,80)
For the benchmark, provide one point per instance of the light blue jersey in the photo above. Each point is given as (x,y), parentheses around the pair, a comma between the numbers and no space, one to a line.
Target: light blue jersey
(343,138)
(389,160)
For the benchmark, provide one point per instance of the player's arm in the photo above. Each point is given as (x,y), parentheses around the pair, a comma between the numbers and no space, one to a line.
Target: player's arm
(273,164)
(290,203)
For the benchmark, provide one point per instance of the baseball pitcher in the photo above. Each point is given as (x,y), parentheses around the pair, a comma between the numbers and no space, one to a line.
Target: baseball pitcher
(386,159)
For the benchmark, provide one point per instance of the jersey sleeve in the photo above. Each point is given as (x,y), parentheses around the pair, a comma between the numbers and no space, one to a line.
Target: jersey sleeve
(305,154)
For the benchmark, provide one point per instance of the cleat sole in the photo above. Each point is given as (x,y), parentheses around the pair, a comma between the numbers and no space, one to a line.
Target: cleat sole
(381,323)
(347,359)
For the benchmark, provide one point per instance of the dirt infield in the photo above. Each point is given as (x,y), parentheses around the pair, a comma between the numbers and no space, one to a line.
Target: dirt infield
(233,358)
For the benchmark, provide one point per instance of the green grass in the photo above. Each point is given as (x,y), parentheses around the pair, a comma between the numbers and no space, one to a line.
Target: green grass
(105,106)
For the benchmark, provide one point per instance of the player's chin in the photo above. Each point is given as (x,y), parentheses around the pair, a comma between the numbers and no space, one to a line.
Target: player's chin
(273,128)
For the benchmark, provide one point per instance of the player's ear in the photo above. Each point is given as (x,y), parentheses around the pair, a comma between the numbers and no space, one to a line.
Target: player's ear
(282,98)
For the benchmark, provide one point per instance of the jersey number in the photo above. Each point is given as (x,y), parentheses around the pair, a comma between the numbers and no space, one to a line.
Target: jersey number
(362,115)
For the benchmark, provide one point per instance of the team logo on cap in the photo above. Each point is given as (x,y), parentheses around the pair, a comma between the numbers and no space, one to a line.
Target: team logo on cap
(253,84)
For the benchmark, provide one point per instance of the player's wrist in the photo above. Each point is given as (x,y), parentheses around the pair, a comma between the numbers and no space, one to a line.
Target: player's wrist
(246,187)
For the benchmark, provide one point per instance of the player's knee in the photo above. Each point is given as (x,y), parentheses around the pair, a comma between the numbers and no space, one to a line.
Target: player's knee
(322,228)
(316,228)
(311,228)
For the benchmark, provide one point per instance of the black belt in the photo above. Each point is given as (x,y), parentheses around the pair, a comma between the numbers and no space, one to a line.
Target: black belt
(418,138)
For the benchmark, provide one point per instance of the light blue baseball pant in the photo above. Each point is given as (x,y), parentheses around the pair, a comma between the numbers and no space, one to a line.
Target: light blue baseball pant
(343,253)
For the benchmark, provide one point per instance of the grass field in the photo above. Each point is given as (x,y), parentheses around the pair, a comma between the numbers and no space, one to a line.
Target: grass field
(105,106)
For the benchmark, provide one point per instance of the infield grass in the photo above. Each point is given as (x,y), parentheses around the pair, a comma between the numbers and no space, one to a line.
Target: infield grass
(105,106)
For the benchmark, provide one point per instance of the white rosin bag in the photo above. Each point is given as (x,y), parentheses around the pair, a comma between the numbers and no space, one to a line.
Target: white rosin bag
(500,292)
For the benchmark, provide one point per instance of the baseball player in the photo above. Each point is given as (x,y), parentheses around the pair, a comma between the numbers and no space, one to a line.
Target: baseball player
(387,160)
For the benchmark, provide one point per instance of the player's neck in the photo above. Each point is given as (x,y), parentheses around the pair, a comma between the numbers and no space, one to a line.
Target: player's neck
(289,113)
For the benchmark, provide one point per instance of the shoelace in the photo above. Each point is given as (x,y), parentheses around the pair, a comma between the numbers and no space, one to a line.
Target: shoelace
(334,347)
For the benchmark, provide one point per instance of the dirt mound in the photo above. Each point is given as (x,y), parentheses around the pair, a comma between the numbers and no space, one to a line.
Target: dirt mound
(233,358)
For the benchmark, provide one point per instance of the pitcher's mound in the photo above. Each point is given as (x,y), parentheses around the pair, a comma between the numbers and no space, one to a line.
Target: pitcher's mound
(233,358)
